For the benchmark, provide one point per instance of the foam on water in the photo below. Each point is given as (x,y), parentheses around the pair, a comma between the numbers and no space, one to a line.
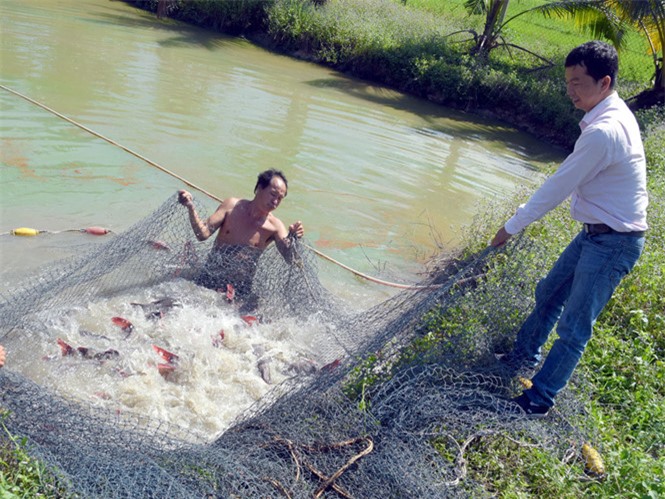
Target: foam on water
(220,356)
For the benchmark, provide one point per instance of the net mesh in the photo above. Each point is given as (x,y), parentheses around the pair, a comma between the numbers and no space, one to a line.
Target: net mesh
(384,412)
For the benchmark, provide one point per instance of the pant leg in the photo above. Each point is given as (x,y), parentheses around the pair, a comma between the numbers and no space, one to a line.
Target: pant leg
(604,260)
(551,294)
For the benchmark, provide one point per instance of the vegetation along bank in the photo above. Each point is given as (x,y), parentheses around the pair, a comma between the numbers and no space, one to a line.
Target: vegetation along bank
(506,64)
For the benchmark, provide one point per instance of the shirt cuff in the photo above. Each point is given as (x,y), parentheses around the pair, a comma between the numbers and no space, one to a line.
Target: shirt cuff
(512,226)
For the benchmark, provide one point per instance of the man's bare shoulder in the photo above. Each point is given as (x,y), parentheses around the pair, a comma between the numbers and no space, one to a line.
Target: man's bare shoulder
(231,202)
(275,224)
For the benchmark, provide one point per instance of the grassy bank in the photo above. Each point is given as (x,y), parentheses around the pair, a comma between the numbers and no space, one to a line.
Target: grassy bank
(619,384)
(422,49)
(22,476)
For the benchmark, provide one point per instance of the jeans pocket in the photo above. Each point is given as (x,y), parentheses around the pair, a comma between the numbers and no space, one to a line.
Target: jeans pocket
(630,250)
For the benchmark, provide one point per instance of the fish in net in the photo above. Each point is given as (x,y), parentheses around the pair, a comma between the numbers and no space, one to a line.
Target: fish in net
(380,408)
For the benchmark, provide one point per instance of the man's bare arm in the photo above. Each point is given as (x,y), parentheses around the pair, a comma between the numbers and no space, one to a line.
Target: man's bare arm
(283,238)
(202,229)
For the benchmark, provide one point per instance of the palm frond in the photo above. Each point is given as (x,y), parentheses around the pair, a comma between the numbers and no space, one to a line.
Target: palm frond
(476,6)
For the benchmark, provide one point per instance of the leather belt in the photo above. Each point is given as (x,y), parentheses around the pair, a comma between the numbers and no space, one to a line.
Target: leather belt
(592,229)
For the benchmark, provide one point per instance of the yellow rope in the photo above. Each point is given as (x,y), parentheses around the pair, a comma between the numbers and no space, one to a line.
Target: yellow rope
(370,278)
(193,186)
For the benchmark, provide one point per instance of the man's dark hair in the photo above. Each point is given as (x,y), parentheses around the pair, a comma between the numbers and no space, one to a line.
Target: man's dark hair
(265,177)
(599,58)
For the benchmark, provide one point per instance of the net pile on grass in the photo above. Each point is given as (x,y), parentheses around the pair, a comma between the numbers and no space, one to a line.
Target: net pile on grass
(392,414)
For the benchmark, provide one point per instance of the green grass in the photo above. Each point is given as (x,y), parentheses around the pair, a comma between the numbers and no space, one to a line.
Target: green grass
(623,370)
(550,37)
(620,381)
(22,476)
(621,377)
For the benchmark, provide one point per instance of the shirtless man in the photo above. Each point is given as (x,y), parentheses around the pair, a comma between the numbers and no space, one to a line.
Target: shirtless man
(2,356)
(245,228)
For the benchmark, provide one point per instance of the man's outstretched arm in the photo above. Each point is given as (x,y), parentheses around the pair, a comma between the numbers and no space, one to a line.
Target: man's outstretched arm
(202,229)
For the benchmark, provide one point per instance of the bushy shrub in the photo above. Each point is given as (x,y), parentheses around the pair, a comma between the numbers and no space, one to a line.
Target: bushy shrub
(236,17)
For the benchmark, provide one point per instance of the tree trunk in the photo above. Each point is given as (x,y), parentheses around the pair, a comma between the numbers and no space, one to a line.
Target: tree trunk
(495,16)
(161,8)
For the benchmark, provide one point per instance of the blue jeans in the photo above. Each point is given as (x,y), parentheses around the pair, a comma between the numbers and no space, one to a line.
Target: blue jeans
(575,291)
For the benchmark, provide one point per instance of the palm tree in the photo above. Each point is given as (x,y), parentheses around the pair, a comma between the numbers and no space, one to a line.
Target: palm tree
(162,8)
(610,19)
(495,13)
(492,35)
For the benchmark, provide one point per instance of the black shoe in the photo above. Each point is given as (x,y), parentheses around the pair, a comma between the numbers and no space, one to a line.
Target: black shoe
(529,408)
(502,357)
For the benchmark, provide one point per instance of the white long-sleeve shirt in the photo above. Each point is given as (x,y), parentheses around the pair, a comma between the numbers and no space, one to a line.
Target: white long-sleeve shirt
(605,175)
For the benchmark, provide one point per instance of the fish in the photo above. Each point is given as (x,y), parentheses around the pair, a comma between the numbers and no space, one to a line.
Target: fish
(263,364)
(159,245)
(85,352)
(332,365)
(302,366)
(124,324)
(218,340)
(230,293)
(158,308)
(106,354)
(122,373)
(250,319)
(90,334)
(169,357)
(65,348)
(165,369)
(264,369)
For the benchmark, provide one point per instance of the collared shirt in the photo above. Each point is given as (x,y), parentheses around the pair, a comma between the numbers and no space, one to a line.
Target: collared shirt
(605,175)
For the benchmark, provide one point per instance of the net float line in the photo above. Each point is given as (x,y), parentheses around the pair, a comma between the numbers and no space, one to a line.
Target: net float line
(28,232)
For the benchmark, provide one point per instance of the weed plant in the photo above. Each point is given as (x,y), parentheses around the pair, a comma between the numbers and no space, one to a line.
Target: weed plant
(22,476)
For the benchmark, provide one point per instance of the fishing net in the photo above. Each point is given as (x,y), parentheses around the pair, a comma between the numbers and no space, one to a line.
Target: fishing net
(378,407)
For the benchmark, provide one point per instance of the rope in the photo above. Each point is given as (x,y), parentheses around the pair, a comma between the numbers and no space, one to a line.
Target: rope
(27,231)
(110,141)
(370,278)
(200,189)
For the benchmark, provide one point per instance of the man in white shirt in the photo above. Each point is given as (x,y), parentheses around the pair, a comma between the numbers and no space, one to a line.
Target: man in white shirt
(605,176)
